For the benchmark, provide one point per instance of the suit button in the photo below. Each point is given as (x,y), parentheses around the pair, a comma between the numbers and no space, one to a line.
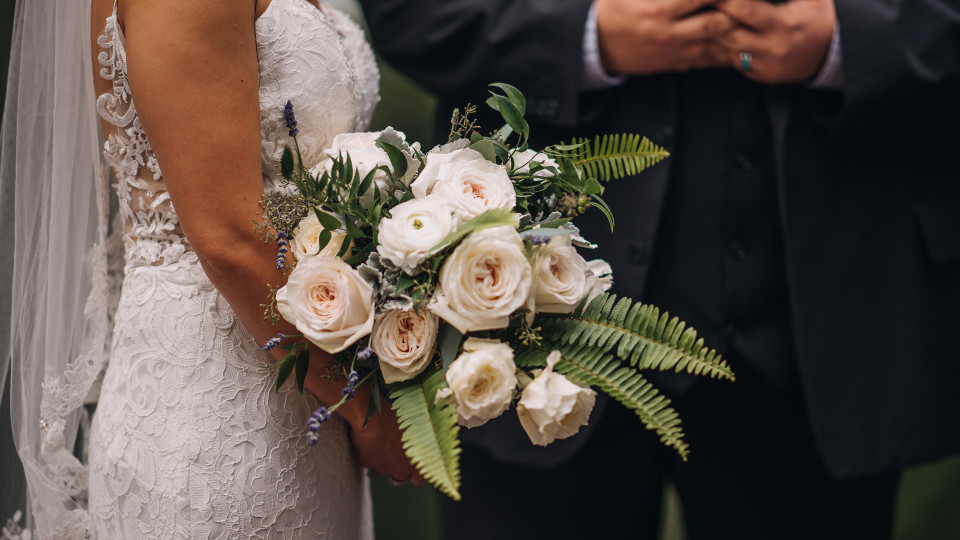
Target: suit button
(730,332)
(638,254)
(743,161)
(664,135)
(737,251)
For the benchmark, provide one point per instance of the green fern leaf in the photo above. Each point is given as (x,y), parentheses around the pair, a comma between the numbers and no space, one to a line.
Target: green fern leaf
(643,337)
(611,156)
(590,366)
(430,432)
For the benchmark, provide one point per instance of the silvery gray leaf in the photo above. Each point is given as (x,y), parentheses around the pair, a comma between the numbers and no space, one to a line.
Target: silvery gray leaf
(575,238)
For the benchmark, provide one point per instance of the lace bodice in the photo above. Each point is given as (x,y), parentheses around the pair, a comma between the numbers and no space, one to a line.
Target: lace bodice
(316,58)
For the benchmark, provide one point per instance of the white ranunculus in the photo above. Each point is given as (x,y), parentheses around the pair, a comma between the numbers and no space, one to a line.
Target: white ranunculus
(484,280)
(366,156)
(599,278)
(328,302)
(413,228)
(482,381)
(553,407)
(467,182)
(559,276)
(523,160)
(306,239)
(403,341)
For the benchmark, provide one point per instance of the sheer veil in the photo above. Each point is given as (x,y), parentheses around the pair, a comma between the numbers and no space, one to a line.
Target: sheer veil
(54,240)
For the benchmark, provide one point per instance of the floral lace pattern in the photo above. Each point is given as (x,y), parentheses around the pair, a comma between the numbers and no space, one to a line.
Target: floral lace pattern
(190,439)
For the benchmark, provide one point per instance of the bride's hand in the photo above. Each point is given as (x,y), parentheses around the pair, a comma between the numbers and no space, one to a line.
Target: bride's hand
(376,444)
(378,447)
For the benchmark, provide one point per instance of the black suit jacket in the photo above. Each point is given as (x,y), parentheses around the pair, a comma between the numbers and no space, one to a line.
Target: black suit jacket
(868,183)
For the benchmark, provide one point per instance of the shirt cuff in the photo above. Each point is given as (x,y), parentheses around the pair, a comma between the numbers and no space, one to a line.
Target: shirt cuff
(830,76)
(594,76)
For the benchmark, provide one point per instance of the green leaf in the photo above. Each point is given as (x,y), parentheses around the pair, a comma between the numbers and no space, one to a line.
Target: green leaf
(511,115)
(592,187)
(365,183)
(515,96)
(303,364)
(323,240)
(373,406)
(430,432)
(329,222)
(286,163)
(554,224)
(344,247)
(353,231)
(398,160)
(491,218)
(602,205)
(487,149)
(285,368)
(448,342)
(361,255)
(611,156)
(404,282)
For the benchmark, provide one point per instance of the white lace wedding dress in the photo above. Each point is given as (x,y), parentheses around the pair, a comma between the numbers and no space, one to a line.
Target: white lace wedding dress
(189,439)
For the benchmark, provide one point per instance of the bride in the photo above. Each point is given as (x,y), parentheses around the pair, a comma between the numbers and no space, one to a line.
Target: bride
(189,438)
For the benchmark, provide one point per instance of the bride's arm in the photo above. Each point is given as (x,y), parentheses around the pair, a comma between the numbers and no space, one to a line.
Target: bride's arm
(193,73)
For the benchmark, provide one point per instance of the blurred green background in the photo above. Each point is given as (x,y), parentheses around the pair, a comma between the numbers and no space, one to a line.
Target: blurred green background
(928,506)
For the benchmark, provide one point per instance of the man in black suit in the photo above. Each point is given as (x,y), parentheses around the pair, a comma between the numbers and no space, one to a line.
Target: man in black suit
(807,223)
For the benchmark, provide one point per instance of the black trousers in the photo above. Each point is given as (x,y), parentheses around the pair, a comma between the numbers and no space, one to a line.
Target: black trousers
(753,473)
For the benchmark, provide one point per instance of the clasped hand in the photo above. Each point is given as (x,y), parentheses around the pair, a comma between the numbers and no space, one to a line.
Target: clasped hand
(787,42)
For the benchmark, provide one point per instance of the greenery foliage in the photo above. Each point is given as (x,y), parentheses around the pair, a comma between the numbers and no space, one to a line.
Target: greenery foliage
(611,156)
(430,432)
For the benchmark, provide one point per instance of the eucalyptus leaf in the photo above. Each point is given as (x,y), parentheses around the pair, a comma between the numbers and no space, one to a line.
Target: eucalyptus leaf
(329,222)
(486,148)
(398,160)
(516,96)
(491,218)
(285,368)
(448,342)
(323,240)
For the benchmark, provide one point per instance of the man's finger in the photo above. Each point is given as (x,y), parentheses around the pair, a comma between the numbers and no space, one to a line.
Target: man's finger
(703,26)
(756,14)
(677,9)
(743,40)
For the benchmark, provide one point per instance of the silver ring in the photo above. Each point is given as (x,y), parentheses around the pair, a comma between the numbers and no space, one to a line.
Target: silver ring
(746,61)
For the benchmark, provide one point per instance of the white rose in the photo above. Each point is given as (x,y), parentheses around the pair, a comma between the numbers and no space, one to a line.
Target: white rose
(523,160)
(467,182)
(404,340)
(482,381)
(366,156)
(306,239)
(552,407)
(599,278)
(328,302)
(484,280)
(559,276)
(413,228)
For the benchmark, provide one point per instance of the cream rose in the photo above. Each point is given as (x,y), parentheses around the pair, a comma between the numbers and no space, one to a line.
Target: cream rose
(413,228)
(552,407)
(482,381)
(403,341)
(599,278)
(467,182)
(306,239)
(484,280)
(328,302)
(559,276)
(523,160)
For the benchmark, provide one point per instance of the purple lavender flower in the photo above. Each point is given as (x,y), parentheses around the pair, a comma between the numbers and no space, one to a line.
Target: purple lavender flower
(290,118)
(365,354)
(349,391)
(538,239)
(353,378)
(273,342)
(281,250)
(316,420)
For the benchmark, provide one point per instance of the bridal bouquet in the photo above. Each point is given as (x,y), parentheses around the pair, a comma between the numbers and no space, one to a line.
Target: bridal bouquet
(451,282)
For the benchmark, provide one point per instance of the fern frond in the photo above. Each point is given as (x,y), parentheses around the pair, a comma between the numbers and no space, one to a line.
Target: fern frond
(591,366)
(643,337)
(613,156)
(430,432)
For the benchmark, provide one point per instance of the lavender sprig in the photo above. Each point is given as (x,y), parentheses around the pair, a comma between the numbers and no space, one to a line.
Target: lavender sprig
(316,420)
(538,239)
(273,342)
(282,244)
(290,119)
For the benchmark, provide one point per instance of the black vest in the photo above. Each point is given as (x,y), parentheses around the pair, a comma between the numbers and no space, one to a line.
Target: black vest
(718,260)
